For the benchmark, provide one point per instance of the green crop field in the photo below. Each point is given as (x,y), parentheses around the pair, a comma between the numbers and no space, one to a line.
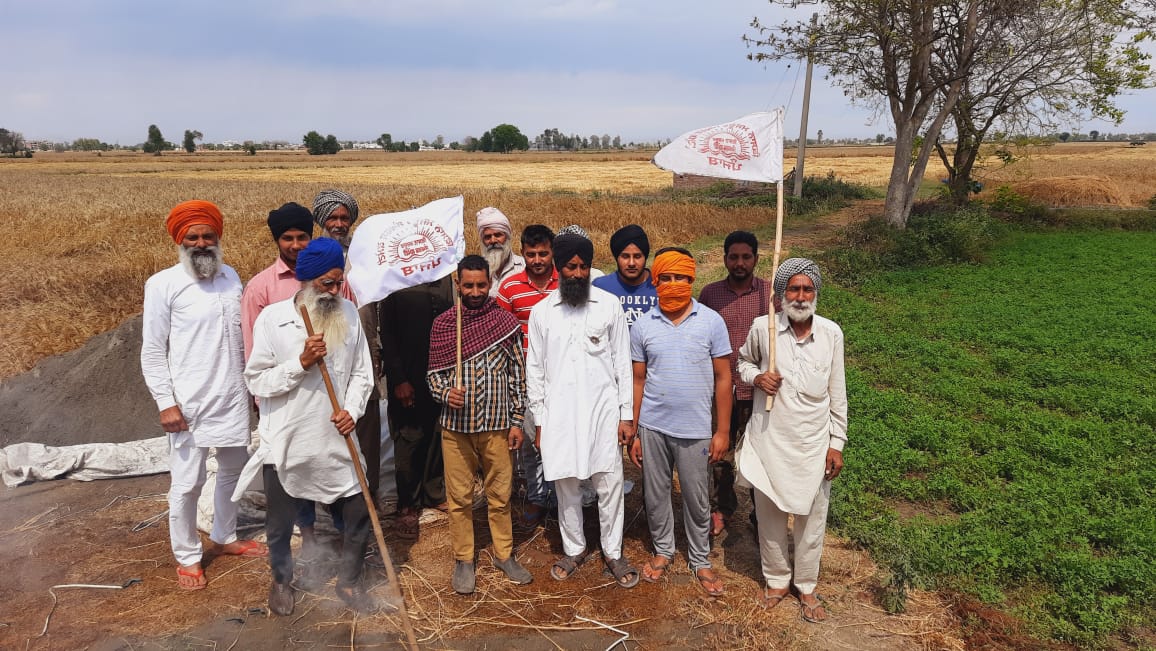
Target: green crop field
(1002,429)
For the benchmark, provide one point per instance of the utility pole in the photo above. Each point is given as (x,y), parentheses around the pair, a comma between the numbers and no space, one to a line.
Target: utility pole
(803,120)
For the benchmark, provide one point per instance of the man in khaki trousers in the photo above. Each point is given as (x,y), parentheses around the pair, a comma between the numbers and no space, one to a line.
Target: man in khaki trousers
(482,416)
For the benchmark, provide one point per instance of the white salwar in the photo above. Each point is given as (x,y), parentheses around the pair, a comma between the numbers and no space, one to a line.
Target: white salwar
(297,437)
(192,356)
(784,451)
(579,385)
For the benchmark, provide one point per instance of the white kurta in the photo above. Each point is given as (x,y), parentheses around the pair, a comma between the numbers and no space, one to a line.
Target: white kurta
(297,437)
(579,383)
(785,450)
(192,354)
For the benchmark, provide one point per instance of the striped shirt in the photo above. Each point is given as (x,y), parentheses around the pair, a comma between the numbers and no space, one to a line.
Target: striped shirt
(738,312)
(679,387)
(518,296)
(495,385)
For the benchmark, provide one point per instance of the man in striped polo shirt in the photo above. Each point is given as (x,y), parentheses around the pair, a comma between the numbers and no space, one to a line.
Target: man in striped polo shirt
(519,294)
(681,354)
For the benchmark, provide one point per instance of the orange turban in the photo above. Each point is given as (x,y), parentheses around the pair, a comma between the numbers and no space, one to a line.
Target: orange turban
(672,262)
(187,214)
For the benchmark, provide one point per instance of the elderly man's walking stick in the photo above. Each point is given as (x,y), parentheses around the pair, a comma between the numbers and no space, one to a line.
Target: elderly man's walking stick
(353,452)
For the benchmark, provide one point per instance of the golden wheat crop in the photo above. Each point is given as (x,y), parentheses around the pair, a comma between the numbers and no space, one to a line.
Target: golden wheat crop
(85,231)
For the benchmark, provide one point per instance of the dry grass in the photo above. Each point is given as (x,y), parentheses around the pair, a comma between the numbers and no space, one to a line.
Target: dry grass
(87,240)
(89,229)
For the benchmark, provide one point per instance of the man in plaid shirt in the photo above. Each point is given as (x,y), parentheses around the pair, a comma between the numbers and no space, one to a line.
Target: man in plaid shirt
(482,419)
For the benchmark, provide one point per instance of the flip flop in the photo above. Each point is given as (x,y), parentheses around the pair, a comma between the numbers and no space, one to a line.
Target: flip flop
(244,548)
(815,613)
(652,573)
(769,600)
(197,574)
(713,585)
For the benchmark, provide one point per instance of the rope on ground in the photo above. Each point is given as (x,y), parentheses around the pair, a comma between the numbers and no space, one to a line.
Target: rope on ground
(622,640)
(145,524)
(55,600)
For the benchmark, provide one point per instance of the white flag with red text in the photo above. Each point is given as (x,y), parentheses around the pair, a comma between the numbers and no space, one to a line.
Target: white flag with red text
(747,149)
(392,251)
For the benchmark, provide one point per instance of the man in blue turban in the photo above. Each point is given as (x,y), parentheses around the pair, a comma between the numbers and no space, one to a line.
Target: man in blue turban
(302,454)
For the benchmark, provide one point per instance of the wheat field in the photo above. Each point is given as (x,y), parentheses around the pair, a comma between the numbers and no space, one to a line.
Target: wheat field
(87,230)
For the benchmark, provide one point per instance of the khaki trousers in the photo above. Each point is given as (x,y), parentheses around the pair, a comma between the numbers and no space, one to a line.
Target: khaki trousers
(464,455)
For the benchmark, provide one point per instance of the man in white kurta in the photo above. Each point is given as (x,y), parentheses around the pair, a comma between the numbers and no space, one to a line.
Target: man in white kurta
(303,455)
(791,453)
(192,358)
(580,389)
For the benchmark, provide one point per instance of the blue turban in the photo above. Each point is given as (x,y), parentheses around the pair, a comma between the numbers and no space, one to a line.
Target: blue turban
(319,258)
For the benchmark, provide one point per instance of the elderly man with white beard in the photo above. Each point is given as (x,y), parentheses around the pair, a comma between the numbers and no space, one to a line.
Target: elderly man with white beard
(302,454)
(793,452)
(192,357)
(494,232)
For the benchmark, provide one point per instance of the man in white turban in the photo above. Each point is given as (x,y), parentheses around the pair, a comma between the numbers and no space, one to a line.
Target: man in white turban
(494,233)
(792,453)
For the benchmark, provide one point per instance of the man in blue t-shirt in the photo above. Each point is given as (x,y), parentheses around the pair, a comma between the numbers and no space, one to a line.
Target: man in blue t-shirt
(681,357)
(631,284)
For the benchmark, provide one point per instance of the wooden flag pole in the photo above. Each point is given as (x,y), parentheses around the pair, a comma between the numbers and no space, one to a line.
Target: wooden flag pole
(772,363)
(458,308)
(354,454)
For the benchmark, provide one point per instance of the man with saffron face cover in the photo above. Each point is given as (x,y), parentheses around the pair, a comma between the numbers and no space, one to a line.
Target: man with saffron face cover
(681,356)
(793,452)
(579,389)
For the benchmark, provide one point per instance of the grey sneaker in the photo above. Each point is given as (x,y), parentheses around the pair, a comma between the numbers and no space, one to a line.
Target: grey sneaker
(463,581)
(514,570)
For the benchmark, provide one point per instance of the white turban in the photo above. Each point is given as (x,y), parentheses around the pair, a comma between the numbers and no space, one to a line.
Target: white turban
(491,217)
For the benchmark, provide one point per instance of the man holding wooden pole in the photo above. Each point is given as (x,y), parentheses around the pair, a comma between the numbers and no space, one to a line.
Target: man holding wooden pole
(794,449)
(303,455)
(477,371)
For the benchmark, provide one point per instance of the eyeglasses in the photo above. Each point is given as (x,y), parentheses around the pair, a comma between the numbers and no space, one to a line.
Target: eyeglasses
(329,283)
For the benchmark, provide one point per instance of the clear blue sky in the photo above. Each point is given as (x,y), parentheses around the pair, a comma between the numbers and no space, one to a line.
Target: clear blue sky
(274,69)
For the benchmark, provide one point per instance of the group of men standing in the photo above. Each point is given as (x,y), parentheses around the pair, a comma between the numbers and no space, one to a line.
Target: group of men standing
(557,374)
(632,360)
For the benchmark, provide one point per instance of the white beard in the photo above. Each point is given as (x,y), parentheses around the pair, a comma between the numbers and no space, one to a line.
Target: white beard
(798,311)
(201,264)
(497,256)
(343,241)
(325,314)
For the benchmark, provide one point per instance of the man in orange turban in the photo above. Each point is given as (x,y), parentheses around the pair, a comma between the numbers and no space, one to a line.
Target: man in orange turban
(192,213)
(681,358)
(192,359)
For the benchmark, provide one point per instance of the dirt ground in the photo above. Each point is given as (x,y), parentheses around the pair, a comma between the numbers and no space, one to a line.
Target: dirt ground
(107,533)
(112,532)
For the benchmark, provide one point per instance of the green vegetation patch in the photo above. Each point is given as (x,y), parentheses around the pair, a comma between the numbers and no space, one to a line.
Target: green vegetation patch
(1008,408)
